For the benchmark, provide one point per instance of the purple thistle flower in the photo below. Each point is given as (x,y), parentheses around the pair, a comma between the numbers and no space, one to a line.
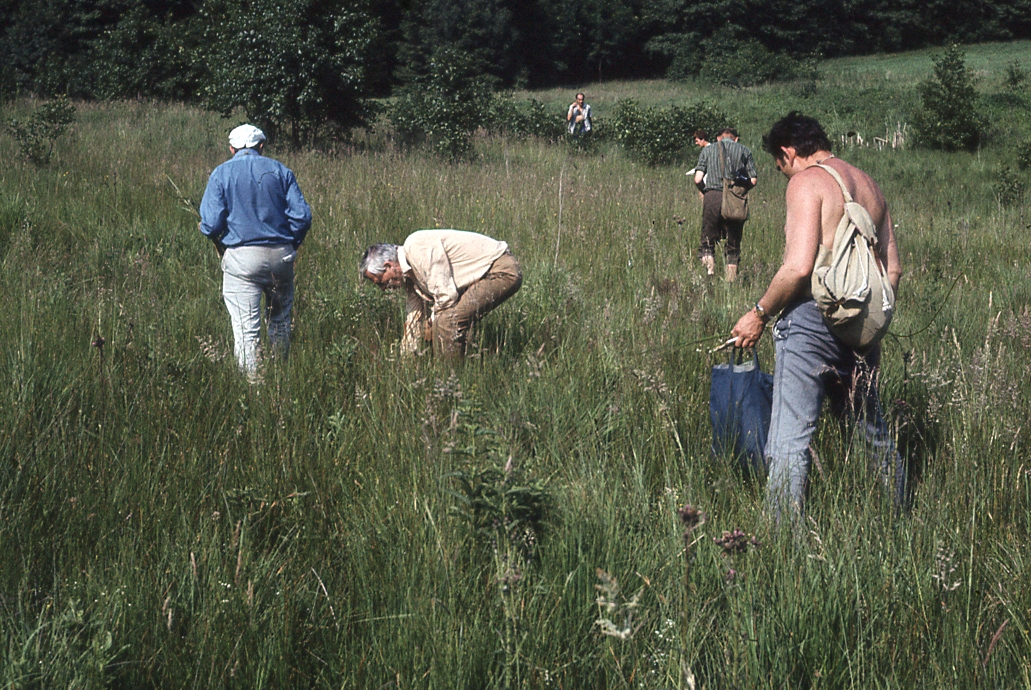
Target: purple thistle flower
(736,542)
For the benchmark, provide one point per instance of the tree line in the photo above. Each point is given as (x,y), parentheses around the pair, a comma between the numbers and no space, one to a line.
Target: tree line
(312,63)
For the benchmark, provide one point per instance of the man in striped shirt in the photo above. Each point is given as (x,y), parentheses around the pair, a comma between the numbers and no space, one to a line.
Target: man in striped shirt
(741,166)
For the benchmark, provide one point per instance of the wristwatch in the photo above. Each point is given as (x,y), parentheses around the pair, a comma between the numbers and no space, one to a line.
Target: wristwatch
(763,316)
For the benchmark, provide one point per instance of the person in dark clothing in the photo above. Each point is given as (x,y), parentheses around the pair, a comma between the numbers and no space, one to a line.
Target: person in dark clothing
(708,177)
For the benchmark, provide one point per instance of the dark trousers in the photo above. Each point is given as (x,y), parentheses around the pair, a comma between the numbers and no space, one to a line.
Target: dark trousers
(715,228)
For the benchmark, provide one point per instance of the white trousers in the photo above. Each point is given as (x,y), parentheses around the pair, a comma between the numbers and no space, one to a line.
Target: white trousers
(247,274)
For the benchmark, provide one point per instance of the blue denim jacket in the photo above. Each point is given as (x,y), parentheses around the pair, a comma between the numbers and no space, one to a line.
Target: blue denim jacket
(254,200)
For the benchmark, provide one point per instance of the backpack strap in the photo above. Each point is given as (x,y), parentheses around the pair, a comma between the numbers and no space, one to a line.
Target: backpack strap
(854,211)
(841,183)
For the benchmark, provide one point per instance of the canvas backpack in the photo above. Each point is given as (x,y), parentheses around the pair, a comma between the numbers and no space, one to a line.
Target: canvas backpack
(849,284)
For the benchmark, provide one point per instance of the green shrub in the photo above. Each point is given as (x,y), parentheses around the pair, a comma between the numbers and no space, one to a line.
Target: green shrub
(447,106)
(37,136)
(586,142)
(949,117)
(659,135)
(1016,76)
(733,62)
(535,121)
(1024,155)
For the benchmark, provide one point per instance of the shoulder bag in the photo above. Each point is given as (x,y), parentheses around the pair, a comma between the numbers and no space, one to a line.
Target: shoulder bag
(735,195)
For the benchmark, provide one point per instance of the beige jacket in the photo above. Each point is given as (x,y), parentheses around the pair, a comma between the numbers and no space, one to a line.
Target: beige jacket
(438,266)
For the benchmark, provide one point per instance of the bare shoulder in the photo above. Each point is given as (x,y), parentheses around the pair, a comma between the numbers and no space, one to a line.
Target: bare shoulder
(817,182)
(860,185)
(811,186)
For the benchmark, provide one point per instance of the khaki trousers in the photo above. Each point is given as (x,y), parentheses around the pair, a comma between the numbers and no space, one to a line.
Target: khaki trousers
(451,326)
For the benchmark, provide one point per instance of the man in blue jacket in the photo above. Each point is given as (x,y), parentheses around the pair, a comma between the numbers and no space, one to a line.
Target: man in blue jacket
(257,217)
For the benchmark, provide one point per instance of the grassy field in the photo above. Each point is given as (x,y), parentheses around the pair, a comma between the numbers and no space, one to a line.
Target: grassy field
(163,524)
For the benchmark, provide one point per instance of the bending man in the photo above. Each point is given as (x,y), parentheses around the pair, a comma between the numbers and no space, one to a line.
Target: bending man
(812,363)
(452,280)
(257,217)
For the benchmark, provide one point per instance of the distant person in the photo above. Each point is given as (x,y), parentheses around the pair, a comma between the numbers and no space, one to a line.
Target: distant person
(701,140)
(708,177)
(257,217)
(452,279)
(812,363)
(578,118)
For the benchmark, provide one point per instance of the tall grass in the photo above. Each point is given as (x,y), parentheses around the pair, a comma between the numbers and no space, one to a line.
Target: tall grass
(164,524)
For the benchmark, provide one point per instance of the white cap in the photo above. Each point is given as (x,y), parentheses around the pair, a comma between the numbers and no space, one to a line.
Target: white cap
(246,137)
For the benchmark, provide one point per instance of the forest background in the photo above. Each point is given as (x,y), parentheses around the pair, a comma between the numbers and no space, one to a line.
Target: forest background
(194,50)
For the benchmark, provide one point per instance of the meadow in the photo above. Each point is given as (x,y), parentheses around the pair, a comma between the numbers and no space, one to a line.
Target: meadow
(363,520)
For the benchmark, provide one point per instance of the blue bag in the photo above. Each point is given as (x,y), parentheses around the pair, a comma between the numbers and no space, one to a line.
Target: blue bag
(740,400)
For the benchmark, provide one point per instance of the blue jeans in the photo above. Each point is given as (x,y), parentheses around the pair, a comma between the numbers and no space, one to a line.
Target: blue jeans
(247,274)
(812,364)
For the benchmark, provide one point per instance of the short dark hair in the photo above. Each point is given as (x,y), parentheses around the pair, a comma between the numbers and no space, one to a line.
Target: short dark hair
(800,131)
(700,134)
(729,130)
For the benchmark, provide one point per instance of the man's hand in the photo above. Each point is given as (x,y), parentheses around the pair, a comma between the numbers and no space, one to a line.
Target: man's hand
(219,247)
(748,329)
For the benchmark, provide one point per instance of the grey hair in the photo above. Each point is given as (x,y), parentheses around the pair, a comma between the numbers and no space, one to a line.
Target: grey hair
(375,258)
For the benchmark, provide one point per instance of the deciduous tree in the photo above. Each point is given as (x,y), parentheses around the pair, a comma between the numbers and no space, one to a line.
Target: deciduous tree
(294,66)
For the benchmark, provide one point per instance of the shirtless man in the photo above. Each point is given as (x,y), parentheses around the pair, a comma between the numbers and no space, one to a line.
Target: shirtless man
(811,362)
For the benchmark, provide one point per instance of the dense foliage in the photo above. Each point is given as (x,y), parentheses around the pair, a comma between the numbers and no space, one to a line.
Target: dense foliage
(292,65)
(661,135)
(102,48)
(446,106)
(730,61)
(179,49)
